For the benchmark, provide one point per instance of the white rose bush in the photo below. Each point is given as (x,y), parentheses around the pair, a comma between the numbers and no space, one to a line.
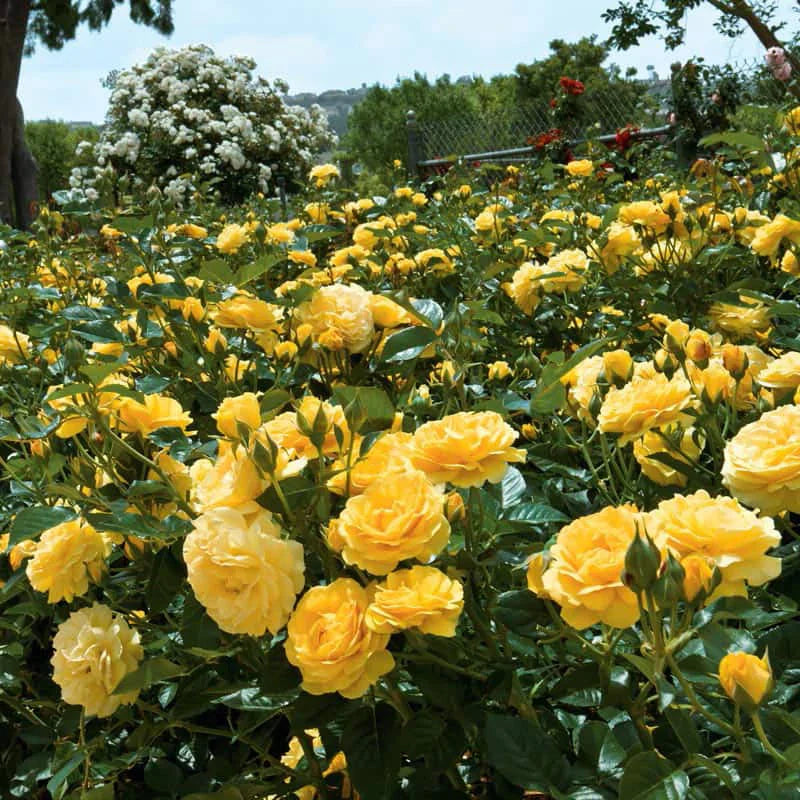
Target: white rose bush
(186,119)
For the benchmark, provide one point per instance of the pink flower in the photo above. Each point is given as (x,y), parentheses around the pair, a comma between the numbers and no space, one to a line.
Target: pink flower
(775,57)
(783,72)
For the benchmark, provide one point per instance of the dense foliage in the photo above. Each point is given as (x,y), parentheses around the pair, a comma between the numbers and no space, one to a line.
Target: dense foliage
(456,492)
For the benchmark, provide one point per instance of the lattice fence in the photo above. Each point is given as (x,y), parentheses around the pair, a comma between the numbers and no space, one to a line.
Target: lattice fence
(608,111)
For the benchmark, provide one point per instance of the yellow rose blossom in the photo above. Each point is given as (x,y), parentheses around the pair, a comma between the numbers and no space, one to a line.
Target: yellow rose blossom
(189,229)
(645,403)
(157,411)
(340,317)
(686,450)
(621,241)
(768,237)
(580,168)
(742,321)
(436,260)
(389,453)
(745,678)
(322,174)
(14,346)
(499,371)
(398,516)
(388,314)
(466,449)
(242,571)
(524,288)
(282,233)
(762,462)
(645,213)
(585,572)
(231,238)
(305,257)
(67,557)
(783,373)
(329,642)
(721,530)
(94,649)
(244,408)
(421,597)
(243,310)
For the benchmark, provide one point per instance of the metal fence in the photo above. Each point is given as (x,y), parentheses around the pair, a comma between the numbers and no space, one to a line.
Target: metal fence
(506,134)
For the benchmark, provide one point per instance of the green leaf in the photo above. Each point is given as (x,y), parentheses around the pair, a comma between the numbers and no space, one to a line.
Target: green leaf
(685,729)
(550,394)
(407,344)
(524,754)
(536,514)
(66,769)
(252,698)
(31,522)
(371,744)
(375,407)
(648,776)
(216,271)
(154,670)
(259,268)
(164,582)
(521,611)
(512,487)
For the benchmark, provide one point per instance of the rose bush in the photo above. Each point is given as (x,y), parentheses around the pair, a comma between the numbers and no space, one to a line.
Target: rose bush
(447,493)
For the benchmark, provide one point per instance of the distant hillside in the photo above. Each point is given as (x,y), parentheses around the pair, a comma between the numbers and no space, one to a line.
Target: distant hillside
(336,103)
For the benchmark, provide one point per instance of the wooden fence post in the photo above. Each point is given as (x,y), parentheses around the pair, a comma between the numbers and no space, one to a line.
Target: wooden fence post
(414,149)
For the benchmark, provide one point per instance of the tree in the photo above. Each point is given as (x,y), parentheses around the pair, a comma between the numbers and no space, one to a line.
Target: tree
(633,20)
(23,23)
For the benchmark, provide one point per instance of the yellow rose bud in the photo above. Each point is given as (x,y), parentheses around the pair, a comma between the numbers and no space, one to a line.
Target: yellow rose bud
(735,360)
(746,679)
(698,575)
(698,346)
(675,336)
(285,351)
(618,366)
(454,507)
(537,564)
(499,370)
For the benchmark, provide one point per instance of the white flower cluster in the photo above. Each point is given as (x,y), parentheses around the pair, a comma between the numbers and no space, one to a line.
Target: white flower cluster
(192,114)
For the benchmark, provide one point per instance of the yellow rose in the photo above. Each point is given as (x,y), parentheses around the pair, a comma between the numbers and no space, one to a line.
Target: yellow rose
(580,168)
(340,317)
(618,365)
(305,257)
(242,571)
(420,597)
(581,384)
(537,564)
(645,403)
(721,530)
(762,462)
(157,411)
(436,260)
(94,650)
(684,446)
(645,213)
(697,575)
(524,288)
(768,237)
(231,238)
(585,572)
(744,320)
(399,516)
(389,453)
(783,373)
(322,174)
(243,310)
(466,449)
(746,679)
(66,558)
(388,314)
(244,409)
(329,642)
(499,371)
(190,230)
(621,241)
(232,480)
(15,346)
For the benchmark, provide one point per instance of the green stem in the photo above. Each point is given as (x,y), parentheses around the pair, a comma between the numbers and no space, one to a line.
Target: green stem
(768,746)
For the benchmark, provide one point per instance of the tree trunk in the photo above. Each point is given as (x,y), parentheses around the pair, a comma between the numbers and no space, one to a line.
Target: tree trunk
(13,26)
(24,175)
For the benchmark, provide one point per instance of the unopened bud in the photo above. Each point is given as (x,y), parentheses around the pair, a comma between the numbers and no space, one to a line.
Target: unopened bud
(642,563)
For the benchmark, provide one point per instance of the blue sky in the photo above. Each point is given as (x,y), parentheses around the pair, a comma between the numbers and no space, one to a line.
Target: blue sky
(337,45)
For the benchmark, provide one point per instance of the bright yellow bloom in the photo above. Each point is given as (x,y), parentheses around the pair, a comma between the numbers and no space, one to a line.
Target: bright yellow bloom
(399,516)
(94,650)
(67,557)
(421,597)
(243,310)
(390,453)
(686,450)
(322,174)
(585,574)
(746,679)
(157,411)
(762,462)
(645,403)
(329,641)
(242,571)
(580,168)
(244,408)
(340,317)
(466,449)
(231,238)
(719,529)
